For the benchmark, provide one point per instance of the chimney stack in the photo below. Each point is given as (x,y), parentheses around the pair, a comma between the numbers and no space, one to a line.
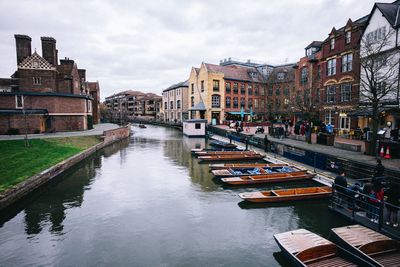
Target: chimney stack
(49,51)
(23,46)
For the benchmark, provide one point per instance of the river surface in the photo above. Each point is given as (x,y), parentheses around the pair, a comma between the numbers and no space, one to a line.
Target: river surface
(147,202)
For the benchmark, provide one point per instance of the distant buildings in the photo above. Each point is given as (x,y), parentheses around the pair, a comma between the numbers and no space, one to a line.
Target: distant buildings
(44,95)
(130,104)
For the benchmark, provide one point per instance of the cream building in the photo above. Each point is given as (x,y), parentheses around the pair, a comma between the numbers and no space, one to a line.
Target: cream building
(175,102)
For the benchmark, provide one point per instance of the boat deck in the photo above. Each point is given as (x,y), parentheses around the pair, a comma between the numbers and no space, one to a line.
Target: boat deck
(299,240)
(332,262)
(357,235)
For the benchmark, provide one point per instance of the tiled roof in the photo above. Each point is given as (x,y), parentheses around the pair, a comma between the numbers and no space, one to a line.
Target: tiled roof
(236,72)
(177,85)
(314,44)
(391,12)
(288,71)
(35,62)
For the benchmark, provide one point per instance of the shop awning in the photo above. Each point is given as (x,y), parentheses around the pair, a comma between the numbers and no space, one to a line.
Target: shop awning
(367,111)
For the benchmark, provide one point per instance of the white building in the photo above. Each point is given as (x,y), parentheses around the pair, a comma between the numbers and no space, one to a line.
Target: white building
(380,55)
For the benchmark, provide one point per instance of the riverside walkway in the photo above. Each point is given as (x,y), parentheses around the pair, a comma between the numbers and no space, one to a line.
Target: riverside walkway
(98,129)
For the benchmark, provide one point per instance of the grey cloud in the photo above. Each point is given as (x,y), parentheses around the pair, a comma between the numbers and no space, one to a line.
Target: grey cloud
(148,45)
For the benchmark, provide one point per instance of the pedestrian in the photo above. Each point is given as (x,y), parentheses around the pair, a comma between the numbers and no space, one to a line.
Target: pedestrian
(376,197)
(266,143)
(302,129)
(393,202)
(379,169)
(340,186)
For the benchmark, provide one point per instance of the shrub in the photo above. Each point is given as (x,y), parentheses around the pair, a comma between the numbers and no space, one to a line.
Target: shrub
(13,131)
(37,131)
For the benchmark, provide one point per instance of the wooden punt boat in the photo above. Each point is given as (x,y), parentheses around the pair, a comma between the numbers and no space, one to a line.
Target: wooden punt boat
(255,171)
(267,178)
(234,157)
(281,195)
(305,248)
(194,150)
(219,166)
(211,153)
(376,248)
(222,144)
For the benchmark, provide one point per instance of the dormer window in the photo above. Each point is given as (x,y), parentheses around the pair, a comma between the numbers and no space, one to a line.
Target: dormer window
(332,44)
(281,76)
(348,37)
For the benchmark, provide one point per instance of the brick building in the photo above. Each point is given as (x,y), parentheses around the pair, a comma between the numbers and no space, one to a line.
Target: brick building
(129,104)
(175,102)
(341,75)
(280,92)
(42,95)
(308,82)
(221,92)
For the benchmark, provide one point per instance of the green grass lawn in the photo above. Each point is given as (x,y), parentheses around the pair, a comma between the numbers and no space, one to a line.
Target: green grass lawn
(18,162)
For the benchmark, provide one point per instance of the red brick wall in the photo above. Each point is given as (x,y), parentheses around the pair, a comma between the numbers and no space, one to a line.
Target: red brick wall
(48,80)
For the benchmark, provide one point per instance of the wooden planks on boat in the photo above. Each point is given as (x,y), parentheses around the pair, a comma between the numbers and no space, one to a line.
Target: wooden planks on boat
(308,249)
(210,153)
(267,178)
(292,194)
(375,247)
(274,170)
(219,166)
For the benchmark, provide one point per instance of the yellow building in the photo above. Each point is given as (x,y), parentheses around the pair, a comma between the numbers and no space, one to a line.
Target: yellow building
(214,93)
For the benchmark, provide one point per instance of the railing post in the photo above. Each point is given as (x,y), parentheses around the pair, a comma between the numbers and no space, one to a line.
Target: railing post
(381,209)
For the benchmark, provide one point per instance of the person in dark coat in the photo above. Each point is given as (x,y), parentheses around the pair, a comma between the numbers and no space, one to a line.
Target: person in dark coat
(393,198)
(340,185)
(379,169)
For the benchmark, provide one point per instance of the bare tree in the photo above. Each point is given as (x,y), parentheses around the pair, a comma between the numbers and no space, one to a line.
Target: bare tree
(379,75)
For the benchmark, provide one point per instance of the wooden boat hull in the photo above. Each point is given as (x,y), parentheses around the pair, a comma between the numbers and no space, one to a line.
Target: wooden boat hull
(375,248)
(284,195)
(222,144)
(219,166)
(261,171)
(231,157)
(305,248)
(259,179)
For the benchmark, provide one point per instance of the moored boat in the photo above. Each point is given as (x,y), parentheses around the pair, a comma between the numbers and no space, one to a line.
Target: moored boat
(219,166)
(212,153)
(376,248)
(233,157)
(281,195)
(142,126)
(267,178)
(255,171)
(222,144)
(305,248)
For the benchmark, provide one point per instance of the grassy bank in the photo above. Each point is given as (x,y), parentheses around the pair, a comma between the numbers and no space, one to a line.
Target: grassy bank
(18,162)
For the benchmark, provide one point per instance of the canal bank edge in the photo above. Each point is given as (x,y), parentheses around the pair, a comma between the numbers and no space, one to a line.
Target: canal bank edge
(22,189)
(354,169)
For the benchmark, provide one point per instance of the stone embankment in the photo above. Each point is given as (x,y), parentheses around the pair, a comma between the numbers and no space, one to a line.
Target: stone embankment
(17,192)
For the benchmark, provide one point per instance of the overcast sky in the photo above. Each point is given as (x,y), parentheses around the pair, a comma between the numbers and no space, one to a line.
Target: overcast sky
(149,45)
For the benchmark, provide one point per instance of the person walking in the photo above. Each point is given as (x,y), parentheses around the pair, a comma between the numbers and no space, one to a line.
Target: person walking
(393,204)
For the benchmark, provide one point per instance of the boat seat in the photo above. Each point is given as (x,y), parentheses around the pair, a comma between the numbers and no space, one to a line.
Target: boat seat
(274,193)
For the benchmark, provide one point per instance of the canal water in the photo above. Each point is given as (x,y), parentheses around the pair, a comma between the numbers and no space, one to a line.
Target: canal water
(147,202)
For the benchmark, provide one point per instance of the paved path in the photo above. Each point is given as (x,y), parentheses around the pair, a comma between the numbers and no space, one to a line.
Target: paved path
(97,130)
(328,150)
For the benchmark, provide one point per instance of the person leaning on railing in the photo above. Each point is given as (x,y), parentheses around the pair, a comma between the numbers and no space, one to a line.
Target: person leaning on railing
(393,200)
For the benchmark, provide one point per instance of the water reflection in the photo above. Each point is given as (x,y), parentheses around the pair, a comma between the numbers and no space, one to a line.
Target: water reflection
(148,202)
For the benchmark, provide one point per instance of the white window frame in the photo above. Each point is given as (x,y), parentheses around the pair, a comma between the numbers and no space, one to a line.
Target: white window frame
(347,62)
(344,123)
(342,92)
(328,93)
(332,43)
(16,101)
(331,67)
(215,101)
(348,37)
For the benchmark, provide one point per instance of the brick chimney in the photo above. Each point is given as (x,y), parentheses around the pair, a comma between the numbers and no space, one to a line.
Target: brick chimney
(49,51)
(23,47)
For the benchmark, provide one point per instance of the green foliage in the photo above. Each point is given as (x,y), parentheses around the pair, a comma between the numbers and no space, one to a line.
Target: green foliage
(12,131)
(17,162)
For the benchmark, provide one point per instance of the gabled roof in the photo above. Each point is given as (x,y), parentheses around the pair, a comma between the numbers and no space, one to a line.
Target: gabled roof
(314,44)
(199,106)
(391,11)
(35,62)
(236,72)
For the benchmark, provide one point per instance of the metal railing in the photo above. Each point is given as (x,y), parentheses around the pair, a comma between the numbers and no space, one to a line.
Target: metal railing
(361,208)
